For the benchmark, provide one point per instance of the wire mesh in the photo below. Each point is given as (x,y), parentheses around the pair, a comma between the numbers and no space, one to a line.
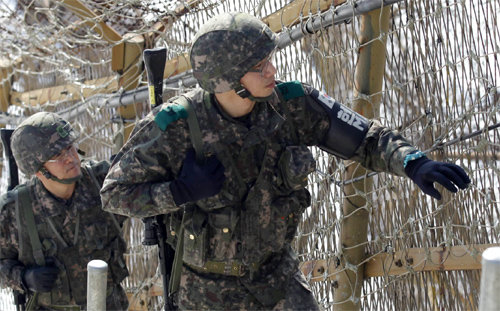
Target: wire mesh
(441,85)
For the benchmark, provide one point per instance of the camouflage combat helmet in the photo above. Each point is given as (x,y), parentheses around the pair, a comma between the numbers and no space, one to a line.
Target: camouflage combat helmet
(226,48)
(39,138)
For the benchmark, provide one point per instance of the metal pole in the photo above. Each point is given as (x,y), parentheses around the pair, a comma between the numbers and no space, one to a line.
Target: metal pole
(97,274)
(331,17)
(490,280)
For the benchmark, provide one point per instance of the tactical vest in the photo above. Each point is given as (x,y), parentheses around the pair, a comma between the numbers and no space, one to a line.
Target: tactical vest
(254,217)
(36,251)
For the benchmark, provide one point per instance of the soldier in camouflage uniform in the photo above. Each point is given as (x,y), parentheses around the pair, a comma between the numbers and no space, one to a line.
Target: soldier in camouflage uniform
(234,203)
(60,204)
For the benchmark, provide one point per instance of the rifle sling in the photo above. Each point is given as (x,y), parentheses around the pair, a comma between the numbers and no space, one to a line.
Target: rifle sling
(24,209)
(175,275)
(194,128)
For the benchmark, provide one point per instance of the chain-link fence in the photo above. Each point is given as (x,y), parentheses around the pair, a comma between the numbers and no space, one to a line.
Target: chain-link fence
(436,63)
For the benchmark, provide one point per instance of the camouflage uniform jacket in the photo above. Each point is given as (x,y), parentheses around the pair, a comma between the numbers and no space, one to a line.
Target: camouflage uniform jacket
(253,219)
(82,232)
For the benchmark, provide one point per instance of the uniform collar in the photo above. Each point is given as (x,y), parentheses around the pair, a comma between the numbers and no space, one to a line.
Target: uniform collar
(261,124)
(46,204)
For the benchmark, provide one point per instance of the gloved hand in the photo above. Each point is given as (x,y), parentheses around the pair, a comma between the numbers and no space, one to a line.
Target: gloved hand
(40,279)
(197,180)
(424,172)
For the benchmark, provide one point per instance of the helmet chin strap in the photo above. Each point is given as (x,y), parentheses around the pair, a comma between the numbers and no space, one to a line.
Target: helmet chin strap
(244,93)
(66,181)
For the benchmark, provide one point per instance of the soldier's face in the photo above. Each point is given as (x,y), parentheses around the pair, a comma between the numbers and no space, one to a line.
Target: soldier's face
(66,164)
(259,81)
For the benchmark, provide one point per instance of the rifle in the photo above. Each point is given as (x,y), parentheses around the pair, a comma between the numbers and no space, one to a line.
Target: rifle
(5,135)
(154,227)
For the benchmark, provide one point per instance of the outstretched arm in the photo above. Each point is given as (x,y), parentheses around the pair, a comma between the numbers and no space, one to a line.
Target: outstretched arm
(386,150)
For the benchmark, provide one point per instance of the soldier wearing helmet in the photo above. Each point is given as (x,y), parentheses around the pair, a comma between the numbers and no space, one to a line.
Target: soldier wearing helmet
(53,225)
(228,162)
(228,47)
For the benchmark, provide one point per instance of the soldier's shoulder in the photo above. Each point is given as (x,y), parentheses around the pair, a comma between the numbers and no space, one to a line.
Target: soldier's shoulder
(176,108)
(7,208)
(169,114)
(9,197)
(292,89)
(98,168)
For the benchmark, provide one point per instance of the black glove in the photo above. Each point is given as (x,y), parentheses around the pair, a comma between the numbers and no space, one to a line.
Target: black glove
(424,172)
(40,279)
(197,180)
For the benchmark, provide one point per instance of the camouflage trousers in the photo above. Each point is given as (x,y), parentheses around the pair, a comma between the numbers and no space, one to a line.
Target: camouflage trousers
(115,301)
(212,292)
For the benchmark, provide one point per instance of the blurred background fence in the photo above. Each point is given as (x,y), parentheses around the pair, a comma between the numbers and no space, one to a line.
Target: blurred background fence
(429,68)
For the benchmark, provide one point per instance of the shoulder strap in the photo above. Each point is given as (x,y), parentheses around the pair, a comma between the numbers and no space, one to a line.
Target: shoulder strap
(223,149)
(195,134)
(194,127)
(24,209)
(291,90)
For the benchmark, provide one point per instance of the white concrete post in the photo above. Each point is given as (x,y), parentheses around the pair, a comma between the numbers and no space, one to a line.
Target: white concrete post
(490,280)
(97,273)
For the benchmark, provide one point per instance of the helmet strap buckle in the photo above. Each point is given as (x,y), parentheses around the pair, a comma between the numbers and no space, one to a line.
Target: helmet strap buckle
(243,92)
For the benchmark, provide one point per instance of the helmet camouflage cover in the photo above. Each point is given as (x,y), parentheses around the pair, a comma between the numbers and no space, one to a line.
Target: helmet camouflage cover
(39,138)
(227,47)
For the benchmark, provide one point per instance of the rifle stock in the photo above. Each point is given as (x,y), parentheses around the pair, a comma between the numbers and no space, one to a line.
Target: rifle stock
(154,62)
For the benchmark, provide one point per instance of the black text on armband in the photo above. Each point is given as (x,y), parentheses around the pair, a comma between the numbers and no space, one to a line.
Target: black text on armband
(350,117)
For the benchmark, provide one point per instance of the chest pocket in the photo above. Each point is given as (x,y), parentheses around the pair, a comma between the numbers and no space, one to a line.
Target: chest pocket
(222,228)
(294,165)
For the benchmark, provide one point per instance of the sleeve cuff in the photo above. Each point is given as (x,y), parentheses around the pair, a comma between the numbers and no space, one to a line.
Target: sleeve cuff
(413,156)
